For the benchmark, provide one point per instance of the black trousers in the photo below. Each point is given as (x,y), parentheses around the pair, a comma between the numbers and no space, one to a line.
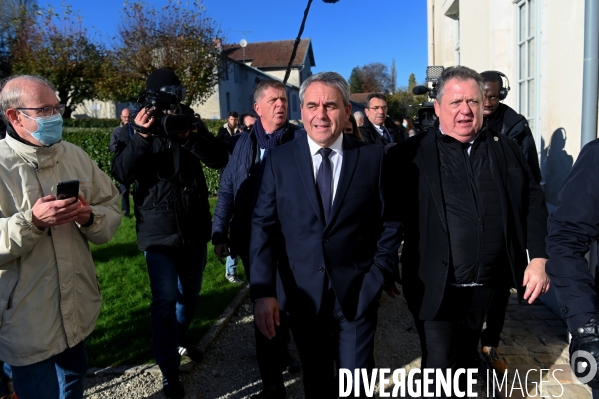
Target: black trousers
(450,340)
(496,317)
(328,341)
(272,355)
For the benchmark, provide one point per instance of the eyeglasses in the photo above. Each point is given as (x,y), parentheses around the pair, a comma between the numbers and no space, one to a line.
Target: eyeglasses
(378,108)
(46,111)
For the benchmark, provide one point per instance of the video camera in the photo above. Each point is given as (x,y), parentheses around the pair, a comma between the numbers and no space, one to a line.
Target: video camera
(161,102)
(426,114)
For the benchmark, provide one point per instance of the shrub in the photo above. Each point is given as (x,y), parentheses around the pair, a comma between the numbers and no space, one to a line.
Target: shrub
(96,142)
(97,123)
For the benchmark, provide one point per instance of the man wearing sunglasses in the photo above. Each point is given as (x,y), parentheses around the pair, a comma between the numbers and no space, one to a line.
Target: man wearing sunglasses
(49,293)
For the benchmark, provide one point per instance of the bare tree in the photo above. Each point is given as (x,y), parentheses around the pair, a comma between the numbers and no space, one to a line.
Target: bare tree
(375,77)
(175,36)
(393,77)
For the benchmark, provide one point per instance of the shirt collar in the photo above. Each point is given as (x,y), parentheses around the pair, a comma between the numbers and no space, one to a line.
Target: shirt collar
(337,146)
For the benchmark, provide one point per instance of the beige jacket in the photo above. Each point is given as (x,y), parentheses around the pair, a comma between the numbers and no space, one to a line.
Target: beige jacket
(49,292)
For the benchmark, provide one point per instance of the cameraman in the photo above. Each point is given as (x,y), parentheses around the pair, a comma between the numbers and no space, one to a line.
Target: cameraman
(172,213)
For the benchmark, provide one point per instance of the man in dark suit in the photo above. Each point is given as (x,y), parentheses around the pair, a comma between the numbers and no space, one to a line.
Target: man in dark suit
(321,204)
(377,127)
(470,209)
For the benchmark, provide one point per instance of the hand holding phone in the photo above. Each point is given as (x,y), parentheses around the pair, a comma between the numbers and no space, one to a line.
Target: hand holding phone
(67,189)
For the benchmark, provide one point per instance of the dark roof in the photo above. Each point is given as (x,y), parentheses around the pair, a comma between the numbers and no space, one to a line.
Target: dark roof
(272,54)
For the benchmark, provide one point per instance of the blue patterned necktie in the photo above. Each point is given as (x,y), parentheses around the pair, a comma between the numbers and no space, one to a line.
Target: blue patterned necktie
(324,181)
(386,134)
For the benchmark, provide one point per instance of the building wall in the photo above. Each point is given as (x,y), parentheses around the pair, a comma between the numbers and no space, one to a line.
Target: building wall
(488,37)
(294,75)
(97,109)
(240,85)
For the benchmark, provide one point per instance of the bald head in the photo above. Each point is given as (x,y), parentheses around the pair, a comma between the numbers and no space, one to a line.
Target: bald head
(22,92)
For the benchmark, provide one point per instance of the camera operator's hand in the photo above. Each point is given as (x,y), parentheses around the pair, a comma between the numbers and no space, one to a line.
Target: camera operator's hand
(48,211)
(586,340)
(145,120)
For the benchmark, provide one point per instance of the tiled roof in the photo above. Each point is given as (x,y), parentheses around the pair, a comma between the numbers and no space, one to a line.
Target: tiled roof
(271,54)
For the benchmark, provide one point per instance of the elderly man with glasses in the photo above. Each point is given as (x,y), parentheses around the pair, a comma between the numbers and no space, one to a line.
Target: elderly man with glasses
(377,128)
(49,293)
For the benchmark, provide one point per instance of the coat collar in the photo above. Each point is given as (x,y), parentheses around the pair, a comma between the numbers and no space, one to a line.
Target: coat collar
(37,157)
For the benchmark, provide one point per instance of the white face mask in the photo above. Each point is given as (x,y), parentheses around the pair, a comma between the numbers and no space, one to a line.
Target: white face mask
(49,129)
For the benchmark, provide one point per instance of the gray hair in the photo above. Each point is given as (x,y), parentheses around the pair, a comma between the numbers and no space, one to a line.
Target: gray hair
(358,114)
(265,85)
(12,96)
(460,73)
(331,79)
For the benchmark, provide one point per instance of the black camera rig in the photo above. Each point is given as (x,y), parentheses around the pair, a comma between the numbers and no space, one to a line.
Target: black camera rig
(426,114)
(161,102)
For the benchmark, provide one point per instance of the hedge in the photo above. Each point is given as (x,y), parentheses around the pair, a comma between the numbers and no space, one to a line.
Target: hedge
(212,124)
(96,141)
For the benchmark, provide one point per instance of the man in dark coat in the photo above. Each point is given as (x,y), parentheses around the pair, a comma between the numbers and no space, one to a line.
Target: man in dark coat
(470,209)
(321,206)
(229,129)
(377,128)
(114,138)
(573,226)
(500,118)
(173,220)
(237,195)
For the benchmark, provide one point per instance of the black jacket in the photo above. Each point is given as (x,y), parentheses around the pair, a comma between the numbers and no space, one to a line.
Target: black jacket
(419,199)
(224,135)
(507,121)
(572,228)
(372,136)
(170,195)
(238,192)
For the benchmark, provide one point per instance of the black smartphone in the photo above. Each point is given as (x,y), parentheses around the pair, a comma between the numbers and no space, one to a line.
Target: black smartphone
(67,189)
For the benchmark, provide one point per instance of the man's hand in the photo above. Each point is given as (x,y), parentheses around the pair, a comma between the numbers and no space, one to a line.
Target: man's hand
(85,211)
(145,120)
(393,291)
(48,211)
(535,279)
(221,251)
(586,340)
(266,316)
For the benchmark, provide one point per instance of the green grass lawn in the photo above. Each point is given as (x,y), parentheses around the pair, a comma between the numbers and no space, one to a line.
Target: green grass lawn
(122,335)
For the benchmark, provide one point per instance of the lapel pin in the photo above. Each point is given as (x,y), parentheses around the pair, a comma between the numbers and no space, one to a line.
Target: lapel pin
(496,138)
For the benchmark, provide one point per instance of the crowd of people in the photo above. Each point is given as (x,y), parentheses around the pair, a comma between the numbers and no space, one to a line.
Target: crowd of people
(316,214)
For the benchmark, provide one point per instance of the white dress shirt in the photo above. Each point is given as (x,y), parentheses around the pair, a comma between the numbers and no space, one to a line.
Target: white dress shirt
(336,159)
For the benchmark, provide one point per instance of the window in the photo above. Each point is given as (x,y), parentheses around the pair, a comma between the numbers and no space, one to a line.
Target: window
(236,73)
(527,38)
(294,102)
(228,102)
(225,69)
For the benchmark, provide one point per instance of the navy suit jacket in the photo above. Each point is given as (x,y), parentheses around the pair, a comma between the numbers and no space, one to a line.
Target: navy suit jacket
(357,248)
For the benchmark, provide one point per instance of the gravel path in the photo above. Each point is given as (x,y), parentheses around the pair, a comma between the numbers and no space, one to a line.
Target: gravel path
(229,368)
